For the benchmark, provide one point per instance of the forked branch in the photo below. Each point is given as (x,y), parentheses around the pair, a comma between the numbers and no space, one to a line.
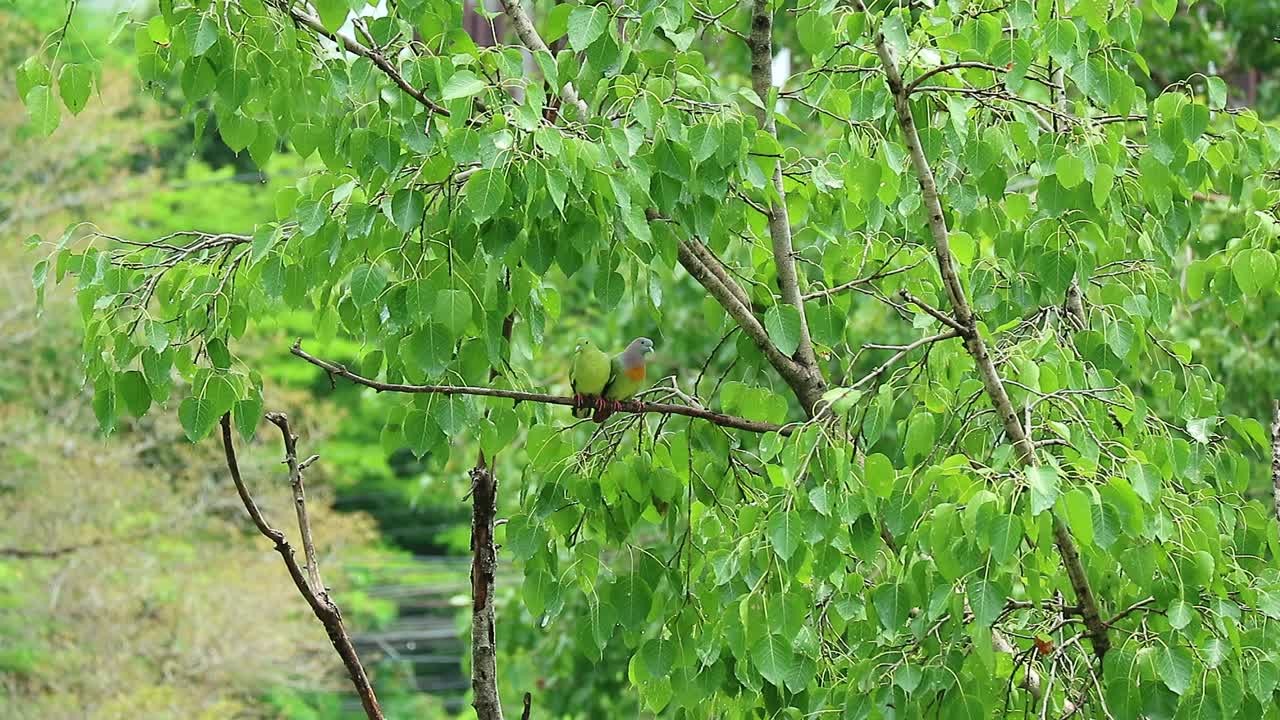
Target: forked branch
(324,608)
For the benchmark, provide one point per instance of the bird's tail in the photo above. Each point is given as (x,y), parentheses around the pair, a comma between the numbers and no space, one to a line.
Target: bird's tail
(601,414)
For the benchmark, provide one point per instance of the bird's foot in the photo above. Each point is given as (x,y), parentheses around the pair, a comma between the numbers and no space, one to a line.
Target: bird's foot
(617,406)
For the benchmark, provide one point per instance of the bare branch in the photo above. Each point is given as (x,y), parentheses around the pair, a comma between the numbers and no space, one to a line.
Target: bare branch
(281,421)
(940,316)
(325,610)
(484,566)
(721,419)
(976,345)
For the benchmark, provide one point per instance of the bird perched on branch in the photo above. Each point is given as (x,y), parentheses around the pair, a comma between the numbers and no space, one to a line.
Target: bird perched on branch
(588,374)
(626,376)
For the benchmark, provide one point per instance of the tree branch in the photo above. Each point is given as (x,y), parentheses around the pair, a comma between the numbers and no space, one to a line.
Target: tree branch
(484,566)
(374,56)
(716,418)
(761,43)
(528,35)
(325,610)
(976,345)
(299,499)
(1275,459)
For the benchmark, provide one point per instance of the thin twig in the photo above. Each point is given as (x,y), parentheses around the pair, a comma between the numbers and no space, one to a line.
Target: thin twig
(281,421)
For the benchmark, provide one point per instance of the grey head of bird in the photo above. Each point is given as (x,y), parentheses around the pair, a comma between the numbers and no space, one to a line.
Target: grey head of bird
(635,352)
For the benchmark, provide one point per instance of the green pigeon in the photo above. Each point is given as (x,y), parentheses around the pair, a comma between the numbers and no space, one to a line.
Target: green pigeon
(626,376)
(588,374)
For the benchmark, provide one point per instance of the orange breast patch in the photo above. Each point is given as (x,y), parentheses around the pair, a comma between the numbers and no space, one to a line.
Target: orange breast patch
(636,374)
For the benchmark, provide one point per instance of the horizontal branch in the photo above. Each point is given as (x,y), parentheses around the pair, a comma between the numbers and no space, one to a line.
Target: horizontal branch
(632,406)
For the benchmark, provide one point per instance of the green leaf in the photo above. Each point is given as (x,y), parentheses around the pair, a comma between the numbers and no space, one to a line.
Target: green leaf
(247,413)
(486,192)
(74,83)
(157,336)
(333,13)
(785,534)
(453,310)
(430,349)
(1079,512)
(421,432)
(985,600)
(1070,170)
(200,412)
(206,34)
(1174,665)
(407,207)
(586,24)
(463,83)
(131,387)
(774,659)
(1044,487)
(1217,91)
(42,110)
(1060,37)
(1165,8)
(237,131)
(1254,271)
(367,283)
(817,32)
(880,475)
(1180,614)
(963,247)
(783,325)
(609,289)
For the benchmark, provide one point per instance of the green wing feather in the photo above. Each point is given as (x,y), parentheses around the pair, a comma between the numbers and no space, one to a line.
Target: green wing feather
(589,373)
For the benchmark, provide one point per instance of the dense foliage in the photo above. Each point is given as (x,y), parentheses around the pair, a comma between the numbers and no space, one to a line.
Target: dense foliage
(1035,506)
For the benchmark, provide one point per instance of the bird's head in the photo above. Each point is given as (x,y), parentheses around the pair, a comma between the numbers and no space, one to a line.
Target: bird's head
(643,345)
(582,344)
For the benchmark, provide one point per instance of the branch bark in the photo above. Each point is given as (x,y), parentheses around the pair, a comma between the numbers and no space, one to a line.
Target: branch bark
(322,606)
(528,35)
(299,500)
(1275,459)
(976,345)
(484,565)
(761,44)
(633,406)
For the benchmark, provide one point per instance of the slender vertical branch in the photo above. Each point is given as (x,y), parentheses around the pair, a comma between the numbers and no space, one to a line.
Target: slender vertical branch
(977,346)
(761,44)
(299,499)
(484,564)
(1275,459)
(484,568)
(322,606)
